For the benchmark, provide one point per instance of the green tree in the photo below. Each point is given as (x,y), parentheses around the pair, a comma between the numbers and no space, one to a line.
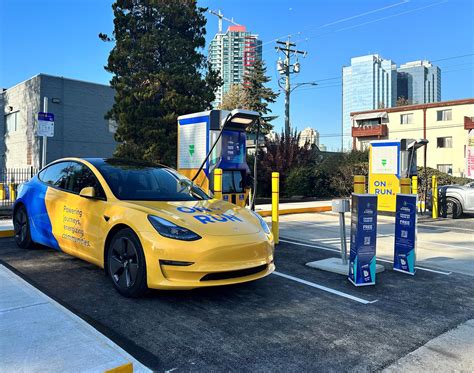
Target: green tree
(402,101)
(158,72)
(258,95)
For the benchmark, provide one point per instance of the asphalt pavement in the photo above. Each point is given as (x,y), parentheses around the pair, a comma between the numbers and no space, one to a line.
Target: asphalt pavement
(298,319)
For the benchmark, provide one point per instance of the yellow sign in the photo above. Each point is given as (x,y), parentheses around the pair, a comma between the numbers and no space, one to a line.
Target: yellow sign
(384,173)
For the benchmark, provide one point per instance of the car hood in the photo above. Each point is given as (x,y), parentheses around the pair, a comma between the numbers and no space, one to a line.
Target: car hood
(208,217)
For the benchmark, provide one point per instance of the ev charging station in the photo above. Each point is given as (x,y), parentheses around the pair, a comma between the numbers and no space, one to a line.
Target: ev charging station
(215,139)
(390,160)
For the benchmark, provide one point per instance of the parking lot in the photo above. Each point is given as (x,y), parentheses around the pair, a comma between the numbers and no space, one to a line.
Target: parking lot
(298,318)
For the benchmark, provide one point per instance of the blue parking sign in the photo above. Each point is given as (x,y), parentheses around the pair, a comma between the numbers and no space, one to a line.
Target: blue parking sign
(362,259)
(405,234)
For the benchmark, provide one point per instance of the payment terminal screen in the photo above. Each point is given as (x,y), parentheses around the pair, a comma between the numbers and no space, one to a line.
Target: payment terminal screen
(233,147)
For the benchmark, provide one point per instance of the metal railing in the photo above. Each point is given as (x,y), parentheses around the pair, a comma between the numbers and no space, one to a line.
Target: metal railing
(10,178)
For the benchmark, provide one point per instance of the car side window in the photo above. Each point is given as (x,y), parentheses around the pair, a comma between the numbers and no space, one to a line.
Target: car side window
(81,176)
(56,175)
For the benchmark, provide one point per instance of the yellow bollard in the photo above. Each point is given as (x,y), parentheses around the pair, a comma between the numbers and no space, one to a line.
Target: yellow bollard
(434,195)
(405,185)
(11,189)
(2,192)
(414,185)
(218,183)
(275,205)
(359,184)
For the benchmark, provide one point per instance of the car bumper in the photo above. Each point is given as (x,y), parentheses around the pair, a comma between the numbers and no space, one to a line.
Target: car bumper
(210,261)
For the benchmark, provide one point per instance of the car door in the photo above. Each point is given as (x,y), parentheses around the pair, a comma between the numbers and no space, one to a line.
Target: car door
(469,197)
(84,222)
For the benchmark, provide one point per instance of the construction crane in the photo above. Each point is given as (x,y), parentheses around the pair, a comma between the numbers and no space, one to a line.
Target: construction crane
(221,17)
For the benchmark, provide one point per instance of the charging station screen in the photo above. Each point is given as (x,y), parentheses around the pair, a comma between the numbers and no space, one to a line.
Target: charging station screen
(233,147)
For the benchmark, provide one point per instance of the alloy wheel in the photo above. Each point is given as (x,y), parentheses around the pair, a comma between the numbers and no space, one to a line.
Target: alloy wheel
(124,263)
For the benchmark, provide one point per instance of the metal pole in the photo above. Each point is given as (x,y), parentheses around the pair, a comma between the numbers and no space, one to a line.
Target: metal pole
(342,225)
(275,206)
(45,139)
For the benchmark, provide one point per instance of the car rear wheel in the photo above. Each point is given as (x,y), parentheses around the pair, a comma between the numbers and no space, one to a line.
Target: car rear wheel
(126,264)
(453,208)
(21,228)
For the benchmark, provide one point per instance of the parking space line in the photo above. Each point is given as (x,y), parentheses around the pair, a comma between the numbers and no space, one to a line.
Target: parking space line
(324,288)
(379,259)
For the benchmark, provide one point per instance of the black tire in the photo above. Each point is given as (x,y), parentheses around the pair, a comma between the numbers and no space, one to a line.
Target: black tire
(126,264)
(453,208)
(21,227)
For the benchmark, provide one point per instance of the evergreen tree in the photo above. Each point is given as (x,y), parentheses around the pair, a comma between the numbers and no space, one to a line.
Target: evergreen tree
(259,96)
(157,68)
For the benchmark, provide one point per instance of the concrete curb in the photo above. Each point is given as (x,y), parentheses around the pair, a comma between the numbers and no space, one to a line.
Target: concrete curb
(7,233)
(300,210)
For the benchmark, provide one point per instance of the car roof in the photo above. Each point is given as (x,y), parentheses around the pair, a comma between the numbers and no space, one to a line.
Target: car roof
(122,162)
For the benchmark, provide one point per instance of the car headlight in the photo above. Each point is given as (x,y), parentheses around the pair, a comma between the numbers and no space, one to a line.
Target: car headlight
(171,230)
(263,223)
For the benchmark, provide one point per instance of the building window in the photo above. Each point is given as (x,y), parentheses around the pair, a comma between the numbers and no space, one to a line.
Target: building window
(406,118)
(446,168)
(444,115)
(11,121)
(444,142)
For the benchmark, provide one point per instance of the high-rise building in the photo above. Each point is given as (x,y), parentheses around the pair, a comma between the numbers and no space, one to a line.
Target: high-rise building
(370,82)
(419,82)
(309,136)
(232,53)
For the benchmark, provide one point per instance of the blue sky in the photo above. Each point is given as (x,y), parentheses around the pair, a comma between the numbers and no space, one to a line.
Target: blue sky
(59,37)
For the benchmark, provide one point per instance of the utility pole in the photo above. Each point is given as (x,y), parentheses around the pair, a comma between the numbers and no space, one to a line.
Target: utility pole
(284,67)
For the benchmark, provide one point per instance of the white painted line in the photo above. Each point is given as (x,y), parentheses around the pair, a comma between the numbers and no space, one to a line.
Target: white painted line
(324,288)
(446,227)
(379,259)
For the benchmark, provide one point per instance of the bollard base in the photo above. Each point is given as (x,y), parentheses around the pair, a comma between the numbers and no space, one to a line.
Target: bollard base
(335,265)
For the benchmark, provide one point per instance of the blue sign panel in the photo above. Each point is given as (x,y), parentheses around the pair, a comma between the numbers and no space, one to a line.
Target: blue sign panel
(405,234)
(362,259)
(46,117)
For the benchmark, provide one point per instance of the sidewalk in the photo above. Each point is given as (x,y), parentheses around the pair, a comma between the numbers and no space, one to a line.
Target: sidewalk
(452,351)
(38,334)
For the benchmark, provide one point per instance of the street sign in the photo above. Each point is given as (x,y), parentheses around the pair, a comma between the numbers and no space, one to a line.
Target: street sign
(405,234)
(45,124)
(362,259)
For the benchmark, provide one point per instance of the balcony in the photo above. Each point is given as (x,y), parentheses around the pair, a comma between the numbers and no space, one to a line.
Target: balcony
(469,123)
(370,131)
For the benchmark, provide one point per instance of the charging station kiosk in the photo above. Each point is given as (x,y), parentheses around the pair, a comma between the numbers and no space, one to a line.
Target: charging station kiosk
(197,133)
(390,160)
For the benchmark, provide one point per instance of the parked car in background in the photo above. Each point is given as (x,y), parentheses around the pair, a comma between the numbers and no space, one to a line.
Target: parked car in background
(455,200)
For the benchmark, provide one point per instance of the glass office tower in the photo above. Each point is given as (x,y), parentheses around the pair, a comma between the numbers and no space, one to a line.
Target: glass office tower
(419,82)
(370,82)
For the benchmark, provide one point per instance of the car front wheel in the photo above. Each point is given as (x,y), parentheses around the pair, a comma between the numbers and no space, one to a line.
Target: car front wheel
(126,264)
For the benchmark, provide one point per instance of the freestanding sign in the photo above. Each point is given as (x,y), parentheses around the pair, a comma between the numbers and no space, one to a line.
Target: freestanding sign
(45,124)
(470,155)
(362,260)
(405,234)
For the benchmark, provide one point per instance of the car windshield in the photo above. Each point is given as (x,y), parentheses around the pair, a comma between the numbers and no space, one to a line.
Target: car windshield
(139,181)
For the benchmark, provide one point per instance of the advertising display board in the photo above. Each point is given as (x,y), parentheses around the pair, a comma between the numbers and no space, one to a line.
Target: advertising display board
(384,173)
(193,138)
(470,155)
(405,234)
(362,259)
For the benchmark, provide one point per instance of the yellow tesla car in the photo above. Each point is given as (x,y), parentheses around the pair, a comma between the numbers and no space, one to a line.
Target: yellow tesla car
(145,224)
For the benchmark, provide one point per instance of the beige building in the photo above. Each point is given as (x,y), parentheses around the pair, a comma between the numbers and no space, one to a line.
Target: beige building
(448,126)
(309,136)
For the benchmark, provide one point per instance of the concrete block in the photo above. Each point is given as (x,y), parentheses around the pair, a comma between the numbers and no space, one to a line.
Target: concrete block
(335,265)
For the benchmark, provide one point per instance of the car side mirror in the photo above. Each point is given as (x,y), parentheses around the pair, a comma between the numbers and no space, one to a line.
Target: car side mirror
(87,192)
